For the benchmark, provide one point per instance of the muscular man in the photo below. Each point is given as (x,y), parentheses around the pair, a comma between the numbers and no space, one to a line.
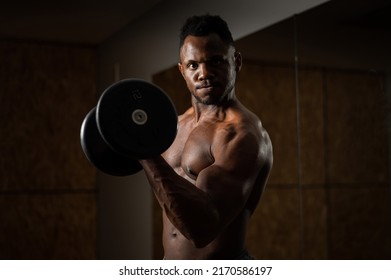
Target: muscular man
(209,182)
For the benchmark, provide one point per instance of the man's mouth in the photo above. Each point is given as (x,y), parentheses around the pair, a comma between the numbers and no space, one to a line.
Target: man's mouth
(206,86)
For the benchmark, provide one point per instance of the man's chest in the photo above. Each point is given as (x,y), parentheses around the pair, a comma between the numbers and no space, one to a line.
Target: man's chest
(191,151)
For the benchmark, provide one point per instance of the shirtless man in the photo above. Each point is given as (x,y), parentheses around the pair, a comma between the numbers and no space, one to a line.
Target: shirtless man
(209,182)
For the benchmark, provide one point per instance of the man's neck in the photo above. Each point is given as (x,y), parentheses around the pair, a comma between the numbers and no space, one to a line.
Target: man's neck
(212,111)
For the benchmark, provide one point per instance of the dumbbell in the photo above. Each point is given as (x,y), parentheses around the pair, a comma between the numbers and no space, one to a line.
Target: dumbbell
(133,120)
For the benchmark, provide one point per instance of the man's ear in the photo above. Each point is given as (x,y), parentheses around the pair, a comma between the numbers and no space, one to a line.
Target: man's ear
(238,61)
(180,67)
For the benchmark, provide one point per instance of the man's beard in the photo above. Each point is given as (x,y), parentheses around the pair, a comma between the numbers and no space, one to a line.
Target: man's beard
(213,99)
(209,100)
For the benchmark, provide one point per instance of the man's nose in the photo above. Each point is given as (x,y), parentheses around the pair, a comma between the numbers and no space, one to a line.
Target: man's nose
(205,72)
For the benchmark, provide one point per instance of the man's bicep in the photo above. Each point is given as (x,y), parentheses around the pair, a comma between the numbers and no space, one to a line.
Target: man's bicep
(229,181)
(243,156)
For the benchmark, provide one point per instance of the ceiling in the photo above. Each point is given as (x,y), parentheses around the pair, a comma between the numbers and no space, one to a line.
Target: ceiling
(90,22)
(73,21)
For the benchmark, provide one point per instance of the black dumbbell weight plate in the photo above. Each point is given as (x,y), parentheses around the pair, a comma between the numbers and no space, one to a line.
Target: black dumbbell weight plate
(100,154)
(136,119)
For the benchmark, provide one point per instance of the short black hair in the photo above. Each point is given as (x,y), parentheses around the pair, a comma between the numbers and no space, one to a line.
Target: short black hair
(204,25)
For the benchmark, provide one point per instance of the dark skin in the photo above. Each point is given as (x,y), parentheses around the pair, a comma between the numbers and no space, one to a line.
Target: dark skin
(210,180)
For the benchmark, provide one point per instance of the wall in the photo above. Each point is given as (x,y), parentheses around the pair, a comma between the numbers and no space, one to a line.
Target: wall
(47,188)
(145,47)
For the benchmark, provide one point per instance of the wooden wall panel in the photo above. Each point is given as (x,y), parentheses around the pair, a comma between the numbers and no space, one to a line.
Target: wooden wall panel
(312,132)
(356,128)
(360,223)
(47,187)
(174,85)
(45,91)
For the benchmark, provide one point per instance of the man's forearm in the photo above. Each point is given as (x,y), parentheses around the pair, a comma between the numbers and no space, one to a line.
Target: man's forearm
(189,209)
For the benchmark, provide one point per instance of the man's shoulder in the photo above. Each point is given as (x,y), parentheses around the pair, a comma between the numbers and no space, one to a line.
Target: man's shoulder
(243,119)
(187,115)
(249,127)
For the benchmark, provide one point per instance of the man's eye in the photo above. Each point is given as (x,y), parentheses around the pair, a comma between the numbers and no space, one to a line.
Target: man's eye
(217,61)
(192,66)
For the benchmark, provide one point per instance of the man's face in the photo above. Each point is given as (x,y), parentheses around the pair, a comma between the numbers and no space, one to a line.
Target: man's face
(209,67)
